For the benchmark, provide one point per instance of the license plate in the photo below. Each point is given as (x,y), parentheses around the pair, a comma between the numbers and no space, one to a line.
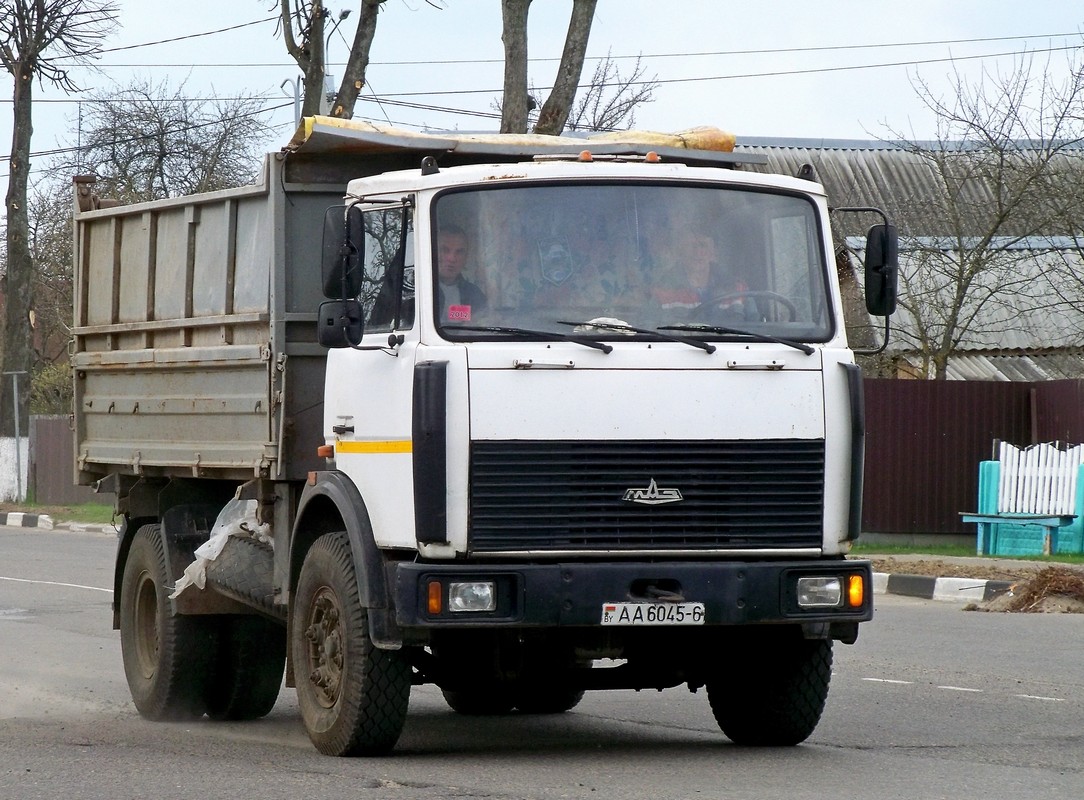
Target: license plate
(652,613)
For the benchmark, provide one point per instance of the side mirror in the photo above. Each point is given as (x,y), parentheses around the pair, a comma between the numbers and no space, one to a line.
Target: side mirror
(882,265)
(342,252)
(339,324)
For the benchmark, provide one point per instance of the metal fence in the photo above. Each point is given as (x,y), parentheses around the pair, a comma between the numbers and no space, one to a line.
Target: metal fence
(51,477)
(925,440)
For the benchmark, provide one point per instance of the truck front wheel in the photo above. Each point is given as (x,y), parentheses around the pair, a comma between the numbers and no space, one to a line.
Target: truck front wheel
(772,695)
(353,696)
(166,657)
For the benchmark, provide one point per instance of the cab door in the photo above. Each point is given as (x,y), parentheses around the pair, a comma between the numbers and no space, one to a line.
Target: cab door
(367,408)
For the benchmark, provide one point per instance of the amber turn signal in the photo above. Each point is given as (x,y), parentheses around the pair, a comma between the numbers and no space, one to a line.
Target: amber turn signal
(436,596)
(856,591)
(326,451)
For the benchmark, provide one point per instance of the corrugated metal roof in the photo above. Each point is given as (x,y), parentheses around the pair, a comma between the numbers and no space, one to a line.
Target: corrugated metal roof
(882,174)
(1013,367)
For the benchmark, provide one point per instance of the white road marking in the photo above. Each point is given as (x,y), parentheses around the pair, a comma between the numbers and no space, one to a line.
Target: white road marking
(57,583)
(965,689)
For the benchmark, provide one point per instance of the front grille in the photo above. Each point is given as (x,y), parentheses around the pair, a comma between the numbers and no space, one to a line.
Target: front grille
(569,495)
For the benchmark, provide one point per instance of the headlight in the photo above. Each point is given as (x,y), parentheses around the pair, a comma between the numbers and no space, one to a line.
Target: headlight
(472,596)
(819,592)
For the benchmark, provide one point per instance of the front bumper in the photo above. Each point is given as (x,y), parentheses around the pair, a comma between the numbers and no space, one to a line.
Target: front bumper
(562,595)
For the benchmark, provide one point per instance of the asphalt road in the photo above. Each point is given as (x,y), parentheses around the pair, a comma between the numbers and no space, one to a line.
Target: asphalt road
(931,702)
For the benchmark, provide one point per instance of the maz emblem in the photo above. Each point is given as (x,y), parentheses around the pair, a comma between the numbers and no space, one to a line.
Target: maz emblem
(653,495)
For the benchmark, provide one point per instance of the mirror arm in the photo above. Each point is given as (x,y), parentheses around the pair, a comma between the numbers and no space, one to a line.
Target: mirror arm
(884,341)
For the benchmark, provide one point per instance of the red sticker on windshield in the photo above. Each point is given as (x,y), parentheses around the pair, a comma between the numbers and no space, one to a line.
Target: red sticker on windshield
(459,313)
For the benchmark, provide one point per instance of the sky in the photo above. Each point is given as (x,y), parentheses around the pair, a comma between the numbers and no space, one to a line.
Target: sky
(833,69)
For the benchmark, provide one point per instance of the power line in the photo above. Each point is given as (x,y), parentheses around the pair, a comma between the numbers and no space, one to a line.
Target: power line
(62,150)
(626,57)
(702,78)
(778,73)
(184,38)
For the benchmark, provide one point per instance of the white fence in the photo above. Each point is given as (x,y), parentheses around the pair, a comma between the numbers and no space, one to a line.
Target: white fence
(13,481)
(1040,479)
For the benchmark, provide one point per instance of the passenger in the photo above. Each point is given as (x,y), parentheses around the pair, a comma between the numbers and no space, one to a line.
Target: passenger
(457,298)
(698,280)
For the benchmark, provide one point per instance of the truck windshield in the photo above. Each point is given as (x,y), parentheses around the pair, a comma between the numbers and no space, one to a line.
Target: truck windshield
(626,260)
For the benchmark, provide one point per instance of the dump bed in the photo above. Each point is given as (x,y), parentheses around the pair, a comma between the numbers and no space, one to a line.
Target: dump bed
(194,340)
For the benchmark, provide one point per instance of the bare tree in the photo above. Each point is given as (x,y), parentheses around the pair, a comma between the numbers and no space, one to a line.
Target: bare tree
(304,30)
(148,141)
(49,210)
(37,38)
(144,142)
(1003,149)
(357,62)
(516,101)
(610,99)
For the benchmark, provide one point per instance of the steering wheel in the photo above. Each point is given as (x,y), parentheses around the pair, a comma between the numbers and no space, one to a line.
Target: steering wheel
(704,309)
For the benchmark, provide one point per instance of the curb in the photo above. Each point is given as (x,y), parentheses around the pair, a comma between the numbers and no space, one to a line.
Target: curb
(953,590)
(21,519)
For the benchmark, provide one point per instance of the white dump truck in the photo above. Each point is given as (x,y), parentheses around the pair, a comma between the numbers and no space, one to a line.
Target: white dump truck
(520,417)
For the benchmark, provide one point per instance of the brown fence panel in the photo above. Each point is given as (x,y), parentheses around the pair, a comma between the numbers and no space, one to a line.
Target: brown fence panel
(1058,410)
(924,442)
(51,475)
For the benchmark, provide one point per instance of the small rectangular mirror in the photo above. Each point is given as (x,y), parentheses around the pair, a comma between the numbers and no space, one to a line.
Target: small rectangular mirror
(339,323)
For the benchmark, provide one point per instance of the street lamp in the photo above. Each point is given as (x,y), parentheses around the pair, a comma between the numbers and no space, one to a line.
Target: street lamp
(329,80)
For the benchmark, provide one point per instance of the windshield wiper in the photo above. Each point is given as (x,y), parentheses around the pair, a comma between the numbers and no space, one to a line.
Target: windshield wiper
(658,334)
(764,337)
(543,336)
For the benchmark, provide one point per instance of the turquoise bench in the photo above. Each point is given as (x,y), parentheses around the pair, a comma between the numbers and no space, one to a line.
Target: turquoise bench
(1008,534)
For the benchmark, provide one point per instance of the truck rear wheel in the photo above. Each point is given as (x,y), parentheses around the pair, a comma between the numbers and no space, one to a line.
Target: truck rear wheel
(775,698)
(353,696)
(166,657)
(248,674)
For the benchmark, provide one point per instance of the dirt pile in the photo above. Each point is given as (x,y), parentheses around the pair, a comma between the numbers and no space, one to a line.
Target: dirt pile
(1050,590)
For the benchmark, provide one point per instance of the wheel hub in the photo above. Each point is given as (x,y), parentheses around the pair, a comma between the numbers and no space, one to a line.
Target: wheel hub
(324,635)
(146,626)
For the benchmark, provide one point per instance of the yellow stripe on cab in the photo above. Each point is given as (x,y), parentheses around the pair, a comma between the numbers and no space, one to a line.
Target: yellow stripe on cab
(393,446)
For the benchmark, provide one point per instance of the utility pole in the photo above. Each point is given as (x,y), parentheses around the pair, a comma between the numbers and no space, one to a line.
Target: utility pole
(18,433)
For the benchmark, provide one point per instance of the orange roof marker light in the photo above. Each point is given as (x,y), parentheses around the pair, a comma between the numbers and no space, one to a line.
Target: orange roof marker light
(585,155)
